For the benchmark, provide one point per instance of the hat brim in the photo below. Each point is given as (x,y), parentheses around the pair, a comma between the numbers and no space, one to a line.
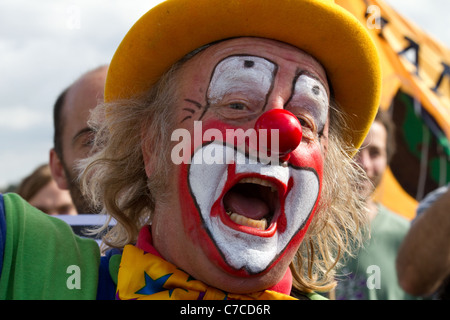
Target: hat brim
(321,28)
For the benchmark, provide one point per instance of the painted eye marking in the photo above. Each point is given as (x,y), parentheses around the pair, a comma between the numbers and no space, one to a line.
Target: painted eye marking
(249,64)
(316,90)
(242,77)
(190,110)
(239,77)
(195,103)
(310,97)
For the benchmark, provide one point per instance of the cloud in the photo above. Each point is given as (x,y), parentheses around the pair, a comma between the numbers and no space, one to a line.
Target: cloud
(21,118)
(431,16)
(44,46)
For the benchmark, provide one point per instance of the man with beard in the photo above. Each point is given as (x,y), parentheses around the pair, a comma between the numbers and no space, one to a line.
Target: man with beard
(371,275)
(224,152)
(73,137)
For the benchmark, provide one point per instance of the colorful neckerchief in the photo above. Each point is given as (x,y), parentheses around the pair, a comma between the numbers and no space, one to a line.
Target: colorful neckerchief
(144,275)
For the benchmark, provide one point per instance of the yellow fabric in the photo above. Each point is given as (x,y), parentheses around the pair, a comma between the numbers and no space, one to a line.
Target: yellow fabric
(323,29)
(144,276)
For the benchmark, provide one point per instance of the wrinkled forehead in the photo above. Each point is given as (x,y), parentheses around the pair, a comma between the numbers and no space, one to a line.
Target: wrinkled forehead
(286,58)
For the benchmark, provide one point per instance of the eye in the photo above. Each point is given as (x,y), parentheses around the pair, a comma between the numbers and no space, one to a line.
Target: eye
(374,152)
(304,122)
(309,128)
(237,106)
(88,140)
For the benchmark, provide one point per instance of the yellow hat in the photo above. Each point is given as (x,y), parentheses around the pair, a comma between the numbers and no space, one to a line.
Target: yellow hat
(321,28)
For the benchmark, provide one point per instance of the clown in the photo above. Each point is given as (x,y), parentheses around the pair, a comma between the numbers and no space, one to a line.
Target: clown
(246,216)
(263,192)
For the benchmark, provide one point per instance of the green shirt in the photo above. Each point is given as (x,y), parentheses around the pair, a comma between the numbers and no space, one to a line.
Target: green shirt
(372,274)
(43,259)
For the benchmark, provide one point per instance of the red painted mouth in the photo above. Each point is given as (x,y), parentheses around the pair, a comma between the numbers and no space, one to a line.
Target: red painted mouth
(242,242)
(251,203)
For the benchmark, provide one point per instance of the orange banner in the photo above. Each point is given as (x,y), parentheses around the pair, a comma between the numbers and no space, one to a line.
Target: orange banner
(416,89)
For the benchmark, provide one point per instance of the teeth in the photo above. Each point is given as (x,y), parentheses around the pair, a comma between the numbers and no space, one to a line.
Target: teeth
(261,182)
(244,221)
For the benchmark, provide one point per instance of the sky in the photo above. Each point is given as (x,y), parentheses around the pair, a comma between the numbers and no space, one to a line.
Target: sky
(45,45)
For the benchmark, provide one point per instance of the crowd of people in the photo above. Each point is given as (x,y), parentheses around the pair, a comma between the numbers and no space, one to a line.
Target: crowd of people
(297,221)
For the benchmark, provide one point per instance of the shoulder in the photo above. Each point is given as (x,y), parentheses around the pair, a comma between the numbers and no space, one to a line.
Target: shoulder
(389,226)
(392,217)
(41,252)
(27,223)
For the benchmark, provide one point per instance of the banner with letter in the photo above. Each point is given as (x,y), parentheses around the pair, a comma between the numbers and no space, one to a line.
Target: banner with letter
(416,91)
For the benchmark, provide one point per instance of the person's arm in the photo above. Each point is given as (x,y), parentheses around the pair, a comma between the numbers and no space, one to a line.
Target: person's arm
(423,261)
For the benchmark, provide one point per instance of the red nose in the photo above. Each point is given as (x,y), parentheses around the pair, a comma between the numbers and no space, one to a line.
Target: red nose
(289,132)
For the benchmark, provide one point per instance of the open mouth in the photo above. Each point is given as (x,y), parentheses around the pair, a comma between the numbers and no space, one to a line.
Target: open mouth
(252,202)
(250,211)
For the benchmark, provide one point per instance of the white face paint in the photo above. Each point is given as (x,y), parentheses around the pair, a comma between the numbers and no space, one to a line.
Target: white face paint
(310,96)
(245,78)
(242,250)
(245,82)
(241,86)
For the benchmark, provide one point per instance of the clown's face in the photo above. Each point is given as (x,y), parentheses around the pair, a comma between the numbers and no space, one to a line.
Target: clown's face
(233,219)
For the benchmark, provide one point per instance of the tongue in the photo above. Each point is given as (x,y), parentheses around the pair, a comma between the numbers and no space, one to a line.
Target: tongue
(250,207)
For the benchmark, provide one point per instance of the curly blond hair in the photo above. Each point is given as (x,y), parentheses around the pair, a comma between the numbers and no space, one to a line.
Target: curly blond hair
(115,180)
(341,223)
